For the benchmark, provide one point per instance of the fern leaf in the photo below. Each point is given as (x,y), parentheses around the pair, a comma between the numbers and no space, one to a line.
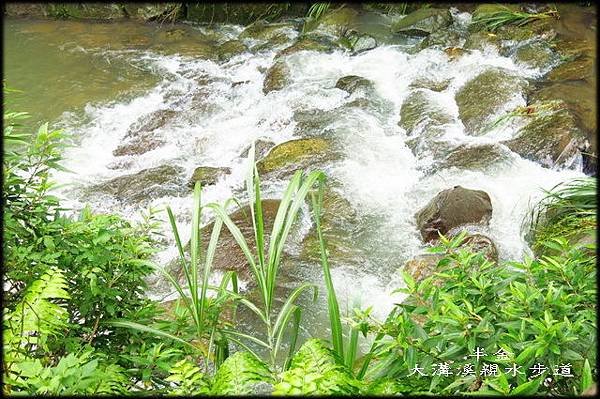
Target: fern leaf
(241,374)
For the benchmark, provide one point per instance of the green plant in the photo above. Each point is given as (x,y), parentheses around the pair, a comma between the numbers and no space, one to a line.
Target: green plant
(266,262)
(314,14)
(567,210)
(502,15)
(189,379)
(538,312)
(240,374)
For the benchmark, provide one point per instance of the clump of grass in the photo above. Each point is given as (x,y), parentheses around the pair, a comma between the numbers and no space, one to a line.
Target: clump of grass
(568,210)
(502,16)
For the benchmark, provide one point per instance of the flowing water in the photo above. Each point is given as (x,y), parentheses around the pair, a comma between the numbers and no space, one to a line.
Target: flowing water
(96,80)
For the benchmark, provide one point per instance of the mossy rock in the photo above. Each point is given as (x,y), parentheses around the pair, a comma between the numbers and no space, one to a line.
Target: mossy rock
(276,77)
(286,158)
(351,83)
(244,13)
(207,175)
(92,11)
(230,48)
(537,54)
(139,145)
(274,42)
(550,138)
(262,30)
(143,186)
(453,208)
(418,110)
(579,69)
(484,96)
(441,38)
(336,22)
(430,84)
(423,22)
(308,43)
(476,157)
(150,122)
(480,40)
(313,122)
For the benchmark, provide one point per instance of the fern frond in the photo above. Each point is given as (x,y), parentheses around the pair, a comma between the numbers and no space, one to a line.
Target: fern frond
(189,379)
(240,374)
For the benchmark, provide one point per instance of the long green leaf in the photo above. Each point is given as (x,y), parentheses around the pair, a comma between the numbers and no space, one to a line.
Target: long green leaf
(140,327)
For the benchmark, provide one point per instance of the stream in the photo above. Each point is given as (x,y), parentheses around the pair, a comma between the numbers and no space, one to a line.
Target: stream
(97,81)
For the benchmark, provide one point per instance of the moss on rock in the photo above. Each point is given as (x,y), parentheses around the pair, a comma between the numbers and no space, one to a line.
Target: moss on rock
(276,77)
(290,156)
(423,22)
(207,175)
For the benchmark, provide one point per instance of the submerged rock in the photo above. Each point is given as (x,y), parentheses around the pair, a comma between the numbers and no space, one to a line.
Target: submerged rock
(484,96)
(231,48)
(286,158)
(351,83)
(430,84)
(207,175)
(276,77)
(423,22)
(578,69)
(145,185)
(551,137)
(139,145)
(263,30)
(261,148)
(476,157)
(313,122)
(151,122)
(418,110)
(452,208)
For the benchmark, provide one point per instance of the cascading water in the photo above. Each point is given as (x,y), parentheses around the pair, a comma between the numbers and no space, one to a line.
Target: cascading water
(220,109)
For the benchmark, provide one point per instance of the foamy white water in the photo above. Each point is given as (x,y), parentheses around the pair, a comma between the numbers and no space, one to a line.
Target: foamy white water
(379,175)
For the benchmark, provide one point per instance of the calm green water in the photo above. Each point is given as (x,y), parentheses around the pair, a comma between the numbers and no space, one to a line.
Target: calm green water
(63,65)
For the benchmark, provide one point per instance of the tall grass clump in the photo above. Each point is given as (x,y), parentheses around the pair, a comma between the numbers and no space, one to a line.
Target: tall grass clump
(499,16)
(314,15)
(568,210)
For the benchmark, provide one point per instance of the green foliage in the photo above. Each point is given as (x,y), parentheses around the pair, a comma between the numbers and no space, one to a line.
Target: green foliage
(501,15)
(568,210)
(189,379)
(538,311)
(314,371)
(314,15)
(240,374)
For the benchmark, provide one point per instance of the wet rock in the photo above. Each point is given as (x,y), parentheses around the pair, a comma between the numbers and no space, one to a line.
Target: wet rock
(351,83)
(308,43)
(276,77)
(138,145)
(441,38)
(551,136)
(422,266)
(536,54)
(207,175)
(452,208)
(476,157)
(418,110)
(481,40)
(336,22)
(261,148)
(579,69)
(423,22)
(313,122)
(272,43)
(230,48)
(477,105)
(262,30)
(286,158)
(143,186)
(151,122)
(364,43)
(430,84)
(454,53)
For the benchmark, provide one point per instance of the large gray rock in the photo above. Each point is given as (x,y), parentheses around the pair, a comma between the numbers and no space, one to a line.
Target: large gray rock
(423,22)
(452,208)
(551,137)
(276,77)
(484,96)
(143,186)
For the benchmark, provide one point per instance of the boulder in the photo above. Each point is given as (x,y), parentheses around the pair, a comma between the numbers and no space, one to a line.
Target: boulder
(579,69)
(481,40)
(261,148)
(207,175)
(423,22)
(314,122)
(138,145)
(551,136)
(276,77)
(262,30)
(336,22)
(476,105)
(476,157)
(452,208)
(418,110)
(308,43)
(351,83)
(363,43)
(150,122)
(430,84)
(286,158)
(441,38)
(537,54)
(143,186)
(230,48)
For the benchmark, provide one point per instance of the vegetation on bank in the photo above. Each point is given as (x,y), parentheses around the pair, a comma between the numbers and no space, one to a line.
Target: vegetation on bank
(76,320)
